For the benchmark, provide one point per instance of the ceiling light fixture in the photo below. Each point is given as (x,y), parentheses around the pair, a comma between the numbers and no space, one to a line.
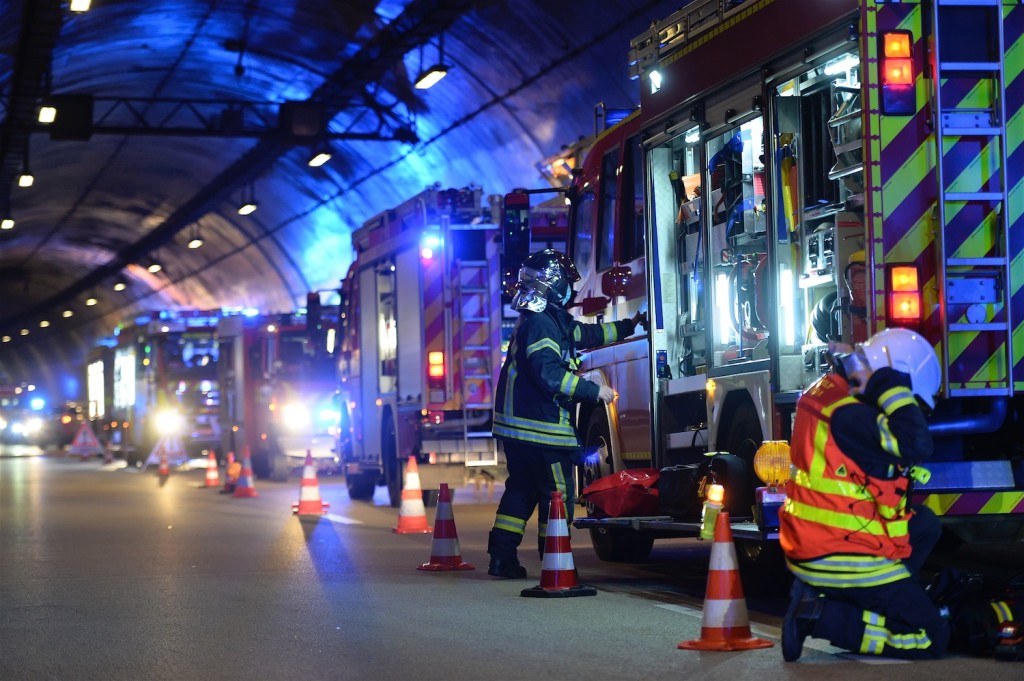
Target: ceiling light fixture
(120,285)
(91,300)
(43,324)
(249,204)
(47,114)
(7,223)
(196,241)
(80,5)
(26,179)
(68,313)
(428,78)
(154,267)
(321,157)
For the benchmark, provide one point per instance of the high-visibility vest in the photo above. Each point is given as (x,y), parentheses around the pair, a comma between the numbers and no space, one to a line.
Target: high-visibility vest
(833,507)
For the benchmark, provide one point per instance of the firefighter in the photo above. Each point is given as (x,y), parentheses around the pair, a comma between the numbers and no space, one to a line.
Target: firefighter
(535,392)
(854,545)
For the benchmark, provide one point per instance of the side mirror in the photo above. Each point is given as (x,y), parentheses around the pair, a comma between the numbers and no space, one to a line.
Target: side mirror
(614,282)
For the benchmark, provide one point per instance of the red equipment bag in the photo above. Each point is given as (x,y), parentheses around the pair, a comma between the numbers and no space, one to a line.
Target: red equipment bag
(626,493)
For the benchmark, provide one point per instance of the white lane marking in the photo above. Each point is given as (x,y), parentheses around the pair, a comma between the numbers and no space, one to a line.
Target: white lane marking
(342,519)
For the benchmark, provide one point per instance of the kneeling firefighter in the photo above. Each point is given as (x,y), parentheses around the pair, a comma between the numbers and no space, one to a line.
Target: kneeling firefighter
(536,389)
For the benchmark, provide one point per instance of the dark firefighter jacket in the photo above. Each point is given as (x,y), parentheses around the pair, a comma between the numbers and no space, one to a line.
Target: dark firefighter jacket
(537,384)
(845,518)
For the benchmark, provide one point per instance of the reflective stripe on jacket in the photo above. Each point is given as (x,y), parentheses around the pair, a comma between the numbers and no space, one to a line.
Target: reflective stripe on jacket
(833,507)
(537,384)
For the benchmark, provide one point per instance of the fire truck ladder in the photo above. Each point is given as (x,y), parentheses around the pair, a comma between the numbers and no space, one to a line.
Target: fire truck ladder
(473,301)
(976,276)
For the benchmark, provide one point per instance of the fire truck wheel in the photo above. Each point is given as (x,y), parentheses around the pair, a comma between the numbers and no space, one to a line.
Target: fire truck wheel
(762,567)
(360,486)
(389,457)
(621,545)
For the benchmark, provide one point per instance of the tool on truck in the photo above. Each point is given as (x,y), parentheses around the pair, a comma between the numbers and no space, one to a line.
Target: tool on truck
(800,173)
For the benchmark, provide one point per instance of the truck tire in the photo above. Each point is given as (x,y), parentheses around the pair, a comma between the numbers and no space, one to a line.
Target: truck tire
(610,544)
(762,568)
(361,486)
(389,459)
(616,545)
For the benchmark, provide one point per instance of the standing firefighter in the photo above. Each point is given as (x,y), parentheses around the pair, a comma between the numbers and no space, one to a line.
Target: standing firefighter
(850,538)
(535,391)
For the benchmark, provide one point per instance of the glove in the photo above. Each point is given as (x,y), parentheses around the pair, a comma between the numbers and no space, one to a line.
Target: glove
(605,394)
(640,318)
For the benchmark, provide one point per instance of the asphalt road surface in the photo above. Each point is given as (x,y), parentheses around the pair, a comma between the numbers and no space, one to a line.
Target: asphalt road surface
(110,573)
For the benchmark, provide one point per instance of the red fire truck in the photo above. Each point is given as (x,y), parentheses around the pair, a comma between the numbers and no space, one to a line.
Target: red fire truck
(800,172)
(421,331)
(157,378)
(277,377)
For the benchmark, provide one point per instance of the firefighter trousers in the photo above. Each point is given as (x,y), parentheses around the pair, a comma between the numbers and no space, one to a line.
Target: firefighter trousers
(533,474)
(898,619)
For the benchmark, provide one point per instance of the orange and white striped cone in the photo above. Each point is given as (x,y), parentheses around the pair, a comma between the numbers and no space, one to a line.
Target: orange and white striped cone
(412,515)
(725,625)
(245,487)
(212,473)
(309,491)
(558,572)
(445,553)
(165,468)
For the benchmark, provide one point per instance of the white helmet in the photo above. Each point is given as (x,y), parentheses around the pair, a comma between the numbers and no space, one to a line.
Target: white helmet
(906,351)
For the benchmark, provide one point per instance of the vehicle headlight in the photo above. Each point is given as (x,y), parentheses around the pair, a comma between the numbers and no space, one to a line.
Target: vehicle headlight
(295,416)
(33,426)
(168,422)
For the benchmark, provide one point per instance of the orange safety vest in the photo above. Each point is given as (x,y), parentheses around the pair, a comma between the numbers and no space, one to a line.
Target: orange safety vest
(833,507)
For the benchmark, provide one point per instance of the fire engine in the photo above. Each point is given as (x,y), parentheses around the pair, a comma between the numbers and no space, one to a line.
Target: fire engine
(157,377)
(801,172)
(421,333)
(277,377)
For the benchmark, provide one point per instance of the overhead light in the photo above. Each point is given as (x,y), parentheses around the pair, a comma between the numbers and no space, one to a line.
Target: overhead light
(26,179)
(320,158)
(120,285)
(7,223)
(428,78)
(24,332)
(68,313)
(90,301)
(80,5)
(47,114)
(196,241)
(249,204)
(6,339)
(154,267)
(43,324)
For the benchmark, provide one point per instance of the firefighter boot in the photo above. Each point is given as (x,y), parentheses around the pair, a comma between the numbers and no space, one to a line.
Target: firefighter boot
(804,610)
(501,546)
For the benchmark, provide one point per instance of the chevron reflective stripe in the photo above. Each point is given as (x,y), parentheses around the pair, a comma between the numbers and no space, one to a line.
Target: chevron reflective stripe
(1013,82)
(1003,611)
(433,313)
(972,503)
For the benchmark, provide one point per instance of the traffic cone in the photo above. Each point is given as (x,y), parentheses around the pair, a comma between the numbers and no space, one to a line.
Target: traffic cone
(165,468)
(412,515)
(245,488)
(309,492)
(444,549)
(212,474)
(725,625)
(230,478)
(558,573)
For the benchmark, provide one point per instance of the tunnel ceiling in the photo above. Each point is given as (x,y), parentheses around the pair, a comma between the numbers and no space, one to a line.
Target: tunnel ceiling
(197,105)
